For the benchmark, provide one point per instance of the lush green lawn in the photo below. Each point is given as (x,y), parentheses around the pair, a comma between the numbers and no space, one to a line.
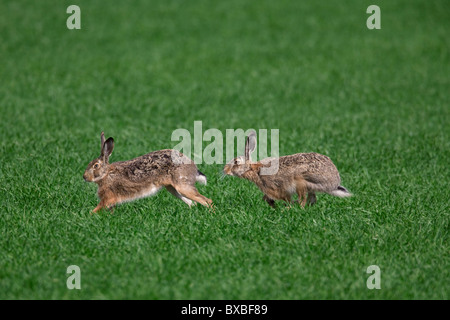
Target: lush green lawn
(375,101)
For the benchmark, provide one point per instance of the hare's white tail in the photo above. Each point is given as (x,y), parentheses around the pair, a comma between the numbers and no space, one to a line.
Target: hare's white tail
(341,192)
(200,177)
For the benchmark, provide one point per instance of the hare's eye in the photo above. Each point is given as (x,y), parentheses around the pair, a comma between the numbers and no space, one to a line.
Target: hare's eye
(235,162)
(96,166)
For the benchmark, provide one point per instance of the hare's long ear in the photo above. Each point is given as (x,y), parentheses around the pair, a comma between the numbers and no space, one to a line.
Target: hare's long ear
(107,149)
(102,139)
(250,145)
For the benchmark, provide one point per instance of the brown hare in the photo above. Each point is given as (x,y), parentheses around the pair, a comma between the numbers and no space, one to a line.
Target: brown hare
(301,173)
(144,176)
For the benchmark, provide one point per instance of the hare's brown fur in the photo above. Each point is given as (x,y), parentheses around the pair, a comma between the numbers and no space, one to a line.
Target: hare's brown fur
(144,176)
(303,174)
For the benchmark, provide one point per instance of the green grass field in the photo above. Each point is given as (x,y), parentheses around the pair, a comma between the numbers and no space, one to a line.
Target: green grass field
(374,101)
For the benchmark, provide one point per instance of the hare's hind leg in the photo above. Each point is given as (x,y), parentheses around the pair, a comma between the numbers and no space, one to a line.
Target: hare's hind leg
(179,196)
(191,192)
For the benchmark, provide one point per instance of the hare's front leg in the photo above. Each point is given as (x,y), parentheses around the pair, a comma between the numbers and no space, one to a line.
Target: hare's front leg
(311,198)
(101,206)
(271,202)
(301,192)
(109,201)
(97,208)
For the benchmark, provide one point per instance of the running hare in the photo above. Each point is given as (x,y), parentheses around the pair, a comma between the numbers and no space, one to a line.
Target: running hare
(301,173)
(144,176)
